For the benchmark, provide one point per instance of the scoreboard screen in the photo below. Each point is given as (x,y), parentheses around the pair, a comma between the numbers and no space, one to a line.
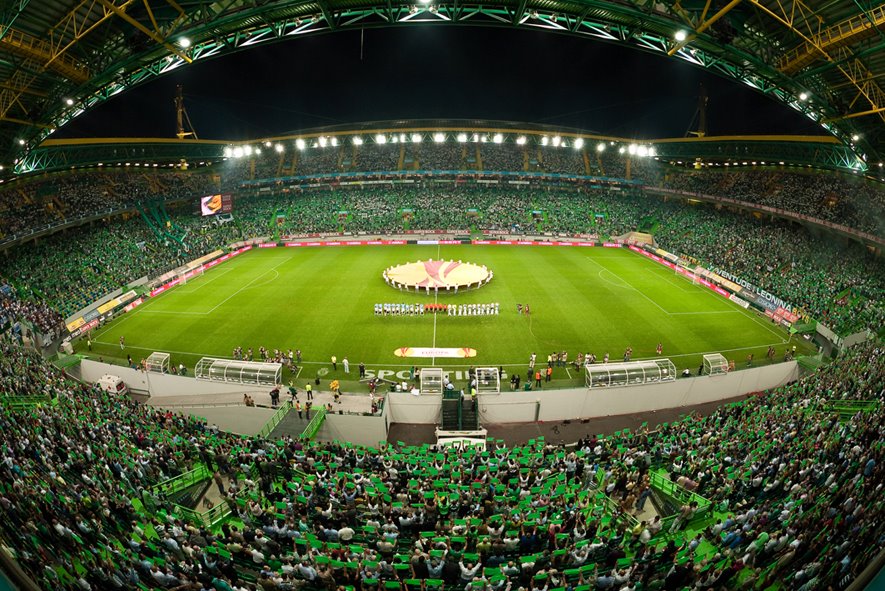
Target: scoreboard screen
(213,204)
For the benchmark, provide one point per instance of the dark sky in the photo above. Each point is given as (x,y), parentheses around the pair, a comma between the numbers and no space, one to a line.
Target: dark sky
(439,72)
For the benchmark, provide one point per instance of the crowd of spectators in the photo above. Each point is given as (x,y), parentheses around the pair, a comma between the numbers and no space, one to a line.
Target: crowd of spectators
(851,202)
(28,206)
(796,493)
(36,312)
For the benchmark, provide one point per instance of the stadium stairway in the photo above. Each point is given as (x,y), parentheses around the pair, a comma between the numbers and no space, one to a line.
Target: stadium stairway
(292,426)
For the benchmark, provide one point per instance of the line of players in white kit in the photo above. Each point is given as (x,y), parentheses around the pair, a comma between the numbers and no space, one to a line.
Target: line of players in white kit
(449,309)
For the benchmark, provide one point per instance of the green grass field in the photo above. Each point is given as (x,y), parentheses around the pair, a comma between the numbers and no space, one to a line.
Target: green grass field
(321,299)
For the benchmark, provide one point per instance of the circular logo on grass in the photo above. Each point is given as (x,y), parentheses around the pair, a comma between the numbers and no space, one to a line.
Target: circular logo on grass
(434,275)
(323,371)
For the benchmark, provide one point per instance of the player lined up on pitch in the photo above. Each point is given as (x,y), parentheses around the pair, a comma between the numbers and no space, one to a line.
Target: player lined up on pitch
(396,309)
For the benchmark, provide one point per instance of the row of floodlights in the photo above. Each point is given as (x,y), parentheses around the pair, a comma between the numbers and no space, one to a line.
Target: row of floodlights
(438,138)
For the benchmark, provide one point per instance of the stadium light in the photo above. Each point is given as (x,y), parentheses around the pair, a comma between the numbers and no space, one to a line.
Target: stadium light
(69,101)
(520,141)
(357,140)
(279,148)
(424,1)
(855,137)
(631,149)
(247,150)
(545,140)
(681,35)
(380,139)
(621,150)
(475,137)
(300,144)
(323,141)
(439,138)
(21,142)
(600,147)
(394,139)
(258,151)
(416,138)
(184,42)
(266,144)
(803,96)
(642,151)
(402,138)
(462,137)
(334,141)
(557,140)
(498,139)
(579,143)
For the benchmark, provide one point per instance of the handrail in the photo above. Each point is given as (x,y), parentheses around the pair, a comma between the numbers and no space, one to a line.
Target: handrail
(182,481)
(22,401)
(275,419)
(208,518)
(667,487)
(314,425)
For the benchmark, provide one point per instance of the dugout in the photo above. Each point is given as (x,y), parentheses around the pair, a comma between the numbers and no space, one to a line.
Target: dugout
(630,373)
(157,362)
(233,371)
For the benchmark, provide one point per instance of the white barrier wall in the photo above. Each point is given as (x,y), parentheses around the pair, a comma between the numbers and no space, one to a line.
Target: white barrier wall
(165,385)
(558,405)
(358,429)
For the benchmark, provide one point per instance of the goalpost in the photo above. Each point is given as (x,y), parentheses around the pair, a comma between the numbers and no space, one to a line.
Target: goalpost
(190,275)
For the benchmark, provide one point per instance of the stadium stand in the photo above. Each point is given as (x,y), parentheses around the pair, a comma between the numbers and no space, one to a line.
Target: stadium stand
(839,284)
(781,488)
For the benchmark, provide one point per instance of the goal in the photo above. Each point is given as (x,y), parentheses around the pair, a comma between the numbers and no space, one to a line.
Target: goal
(189,275)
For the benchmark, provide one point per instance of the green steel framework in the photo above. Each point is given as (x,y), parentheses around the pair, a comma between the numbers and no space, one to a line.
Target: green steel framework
(219,28)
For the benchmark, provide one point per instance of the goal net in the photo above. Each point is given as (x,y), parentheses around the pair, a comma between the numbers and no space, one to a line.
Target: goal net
(190,275)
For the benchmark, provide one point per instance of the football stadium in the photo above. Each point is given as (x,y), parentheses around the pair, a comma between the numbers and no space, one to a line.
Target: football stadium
(442,295)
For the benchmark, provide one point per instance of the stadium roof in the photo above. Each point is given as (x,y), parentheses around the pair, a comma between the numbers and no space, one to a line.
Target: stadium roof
(59,58)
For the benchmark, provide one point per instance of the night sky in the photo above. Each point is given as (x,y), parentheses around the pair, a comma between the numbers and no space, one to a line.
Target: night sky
(431,72)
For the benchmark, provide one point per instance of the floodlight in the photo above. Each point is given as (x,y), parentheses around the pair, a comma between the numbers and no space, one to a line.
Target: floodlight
(334,141)
(184,42)
(462,137)
(681,35)
(402,138)
(416,138)
(642,151)
(394,139)
(21,142)
(579,143)
(258,151)
(357,140)
(498,139)
(424,1)
(545,140)
(267,144)
(557,140)
(380,139)
(855,137)
(299,143)
(652,152)
(247,150)
(439,138)
(279,148)
(520,141)
(600,147)
(803,96)
(69,101)
(323,141)
(621,150)
(483,138)
(632,149)
(880,165)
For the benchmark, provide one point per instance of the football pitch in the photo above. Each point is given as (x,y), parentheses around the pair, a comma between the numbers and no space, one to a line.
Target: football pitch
(321,300)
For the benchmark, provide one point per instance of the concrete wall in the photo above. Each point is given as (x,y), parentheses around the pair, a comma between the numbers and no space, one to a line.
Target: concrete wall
(558,405)
(358,429)
(243,420)
(177,388)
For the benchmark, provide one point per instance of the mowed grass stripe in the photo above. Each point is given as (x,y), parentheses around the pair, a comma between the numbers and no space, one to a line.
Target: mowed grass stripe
(321,301)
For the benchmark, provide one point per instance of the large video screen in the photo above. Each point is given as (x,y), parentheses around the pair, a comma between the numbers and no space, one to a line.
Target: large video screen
(213,204)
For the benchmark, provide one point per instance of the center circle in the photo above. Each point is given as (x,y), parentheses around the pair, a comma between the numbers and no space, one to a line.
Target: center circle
(435,276)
